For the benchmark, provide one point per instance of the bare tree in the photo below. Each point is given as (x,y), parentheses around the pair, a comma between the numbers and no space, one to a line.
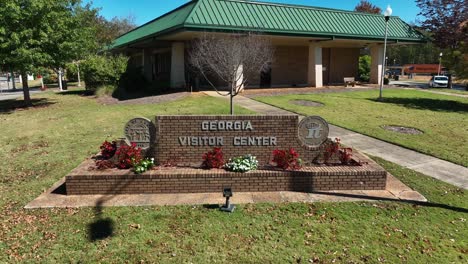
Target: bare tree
(231,59)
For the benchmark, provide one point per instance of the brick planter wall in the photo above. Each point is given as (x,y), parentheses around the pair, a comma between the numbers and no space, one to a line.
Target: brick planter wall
(283,127)
(186,180)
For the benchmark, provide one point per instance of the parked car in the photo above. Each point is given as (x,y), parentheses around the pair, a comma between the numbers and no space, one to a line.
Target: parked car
(438,81)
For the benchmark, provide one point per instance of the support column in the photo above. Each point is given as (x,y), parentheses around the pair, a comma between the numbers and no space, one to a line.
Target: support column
(315,68)
(377,53)
(178,65)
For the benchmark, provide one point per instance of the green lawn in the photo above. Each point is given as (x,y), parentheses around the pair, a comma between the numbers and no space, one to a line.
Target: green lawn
(443,119)
(448,91)
(41,145)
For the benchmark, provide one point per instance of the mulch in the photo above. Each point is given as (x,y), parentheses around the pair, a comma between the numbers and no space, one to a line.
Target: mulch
(108,100)
(403,130)
(306,103)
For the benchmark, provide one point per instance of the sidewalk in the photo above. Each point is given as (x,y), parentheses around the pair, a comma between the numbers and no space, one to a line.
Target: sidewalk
(430,166)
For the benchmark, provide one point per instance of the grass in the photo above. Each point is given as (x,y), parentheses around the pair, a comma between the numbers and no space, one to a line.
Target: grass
(41,145)
(442,118)
(448,91)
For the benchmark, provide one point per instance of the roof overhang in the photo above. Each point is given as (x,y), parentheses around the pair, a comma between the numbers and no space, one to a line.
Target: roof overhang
(182,34)
(237,16)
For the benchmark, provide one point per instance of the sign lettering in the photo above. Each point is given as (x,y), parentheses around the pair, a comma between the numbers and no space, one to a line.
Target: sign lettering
(223,125)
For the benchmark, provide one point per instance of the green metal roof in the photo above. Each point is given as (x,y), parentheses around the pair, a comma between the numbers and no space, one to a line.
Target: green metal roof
(271,18)
(167,22)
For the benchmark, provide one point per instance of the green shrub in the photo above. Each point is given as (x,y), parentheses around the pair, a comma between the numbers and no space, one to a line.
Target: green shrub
(386,81)
(105,90)
(72,72)
(103,70)
(133,81)
(364,68)
(143,165)
(160,86)
(49,76)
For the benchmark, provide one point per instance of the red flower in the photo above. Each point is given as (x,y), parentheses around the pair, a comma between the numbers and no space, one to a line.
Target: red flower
(127,156)
(213,159)
(286,159)
(335,148)
(108,149)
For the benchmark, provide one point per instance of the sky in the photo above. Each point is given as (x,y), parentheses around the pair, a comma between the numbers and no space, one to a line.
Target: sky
(146,10)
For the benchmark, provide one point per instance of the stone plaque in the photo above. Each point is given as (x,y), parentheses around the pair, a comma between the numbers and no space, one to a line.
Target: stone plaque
(138,131)
(313,131)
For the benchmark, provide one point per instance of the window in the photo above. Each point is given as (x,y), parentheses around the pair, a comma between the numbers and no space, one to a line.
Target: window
(161,66)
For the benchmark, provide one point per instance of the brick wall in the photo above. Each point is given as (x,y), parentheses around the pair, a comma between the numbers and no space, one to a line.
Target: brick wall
(169,128)
(82,181)
(344,62)
(290,65)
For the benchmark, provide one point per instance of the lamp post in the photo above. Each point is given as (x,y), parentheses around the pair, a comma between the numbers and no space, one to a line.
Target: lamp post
(386,66)
(440,62)
(387,14)
(79,78)
(228,207)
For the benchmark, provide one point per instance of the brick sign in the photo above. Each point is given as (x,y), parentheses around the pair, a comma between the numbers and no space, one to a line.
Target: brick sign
(183,140)
(138,131)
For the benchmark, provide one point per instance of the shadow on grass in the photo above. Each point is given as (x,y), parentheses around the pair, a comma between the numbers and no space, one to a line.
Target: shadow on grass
(12,105)
(101,228)
(425,204)
(77,92)
(123,95)
(426,104)
(211,206)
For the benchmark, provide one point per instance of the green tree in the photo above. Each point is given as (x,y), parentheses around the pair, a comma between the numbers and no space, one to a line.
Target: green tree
(426,53)
(108,30)
(42,33)
(447,21)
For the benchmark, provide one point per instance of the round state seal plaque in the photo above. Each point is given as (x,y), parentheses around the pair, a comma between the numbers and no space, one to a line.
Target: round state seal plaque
(313,131)
(138,131)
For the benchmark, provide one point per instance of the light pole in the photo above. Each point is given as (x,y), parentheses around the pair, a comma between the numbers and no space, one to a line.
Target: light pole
(440,62)
(387,14)
(386,66)
(78,68)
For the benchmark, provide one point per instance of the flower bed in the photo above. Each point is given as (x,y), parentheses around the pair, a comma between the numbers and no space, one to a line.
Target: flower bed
(83,181)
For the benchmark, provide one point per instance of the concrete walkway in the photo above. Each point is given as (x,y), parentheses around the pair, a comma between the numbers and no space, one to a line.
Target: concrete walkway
(436,168)
(54,198)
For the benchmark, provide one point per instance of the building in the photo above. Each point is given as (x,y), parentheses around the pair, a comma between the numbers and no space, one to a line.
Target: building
(313,46)
(426,69)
